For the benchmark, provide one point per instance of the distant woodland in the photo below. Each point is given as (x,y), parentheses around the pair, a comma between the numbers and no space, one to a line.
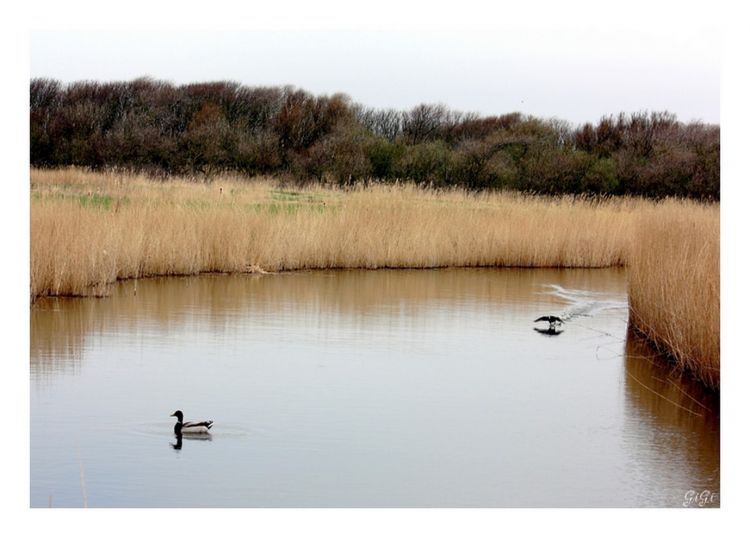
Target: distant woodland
(203,129)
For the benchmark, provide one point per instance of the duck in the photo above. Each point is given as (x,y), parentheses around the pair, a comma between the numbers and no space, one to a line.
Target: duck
(190,427)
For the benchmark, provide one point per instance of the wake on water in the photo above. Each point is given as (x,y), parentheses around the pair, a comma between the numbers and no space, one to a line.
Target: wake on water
(585,303)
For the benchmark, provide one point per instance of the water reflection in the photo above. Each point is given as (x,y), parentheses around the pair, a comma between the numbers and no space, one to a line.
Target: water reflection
(60,327)
(363,388)
(177,445)
(549,331)
(670,411)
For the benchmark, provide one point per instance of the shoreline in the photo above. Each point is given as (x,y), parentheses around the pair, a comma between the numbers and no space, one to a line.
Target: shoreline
(89,230)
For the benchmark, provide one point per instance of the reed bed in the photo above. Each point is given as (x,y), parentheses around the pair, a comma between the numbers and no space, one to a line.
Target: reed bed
(88,230)
(91,229)
(674,284)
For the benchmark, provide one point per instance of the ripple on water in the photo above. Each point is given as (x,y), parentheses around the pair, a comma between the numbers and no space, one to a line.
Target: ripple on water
(158,429)
(584,303)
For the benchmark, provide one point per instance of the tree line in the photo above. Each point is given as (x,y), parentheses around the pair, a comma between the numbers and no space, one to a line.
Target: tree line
(206,128)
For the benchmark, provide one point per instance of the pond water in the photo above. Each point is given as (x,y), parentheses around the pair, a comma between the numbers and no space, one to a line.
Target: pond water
(389,388)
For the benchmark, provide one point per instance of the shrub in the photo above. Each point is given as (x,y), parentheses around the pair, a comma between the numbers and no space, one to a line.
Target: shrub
(384,155)
(601,177)
(203,128)
(424,163)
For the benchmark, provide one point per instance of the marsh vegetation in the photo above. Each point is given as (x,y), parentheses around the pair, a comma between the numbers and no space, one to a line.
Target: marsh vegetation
(202,129)
(89,229)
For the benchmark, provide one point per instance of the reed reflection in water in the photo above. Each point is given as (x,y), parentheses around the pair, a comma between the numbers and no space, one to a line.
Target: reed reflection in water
(360,388)
(673,418)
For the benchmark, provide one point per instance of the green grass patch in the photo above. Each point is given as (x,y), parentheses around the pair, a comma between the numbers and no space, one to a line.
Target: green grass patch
(295,196)
(197,204)
(100,201)
(285,195)
(95,200)
(287,208)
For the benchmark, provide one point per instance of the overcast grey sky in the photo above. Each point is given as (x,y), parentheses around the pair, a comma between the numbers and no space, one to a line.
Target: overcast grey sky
(574,75)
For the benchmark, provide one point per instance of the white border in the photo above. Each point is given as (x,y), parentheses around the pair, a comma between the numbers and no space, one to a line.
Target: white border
(365,525)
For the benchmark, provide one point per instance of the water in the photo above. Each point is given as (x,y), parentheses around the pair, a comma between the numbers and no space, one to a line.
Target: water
(362,388)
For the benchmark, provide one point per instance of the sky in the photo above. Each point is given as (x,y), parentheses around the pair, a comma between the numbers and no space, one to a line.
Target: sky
(575,72)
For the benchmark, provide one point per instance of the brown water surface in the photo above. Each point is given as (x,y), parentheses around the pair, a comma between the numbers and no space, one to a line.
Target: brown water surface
(363,388)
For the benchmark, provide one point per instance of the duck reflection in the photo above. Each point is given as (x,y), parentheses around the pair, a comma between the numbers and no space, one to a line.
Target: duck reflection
(549,331)
(177,445)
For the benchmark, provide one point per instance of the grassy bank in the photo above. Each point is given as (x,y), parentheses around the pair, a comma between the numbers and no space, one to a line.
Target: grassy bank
(88,230)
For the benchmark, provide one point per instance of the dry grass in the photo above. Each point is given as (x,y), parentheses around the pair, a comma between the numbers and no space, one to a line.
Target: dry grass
(88,230)
(674,284)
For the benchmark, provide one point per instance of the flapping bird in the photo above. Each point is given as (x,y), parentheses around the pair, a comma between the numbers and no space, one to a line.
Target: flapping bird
(551,319)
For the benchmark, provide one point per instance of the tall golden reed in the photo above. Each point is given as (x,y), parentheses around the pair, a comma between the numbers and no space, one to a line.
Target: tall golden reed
(674,284)
(90,229)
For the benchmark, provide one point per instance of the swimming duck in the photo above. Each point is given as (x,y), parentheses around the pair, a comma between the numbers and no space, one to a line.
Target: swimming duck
(190,427)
